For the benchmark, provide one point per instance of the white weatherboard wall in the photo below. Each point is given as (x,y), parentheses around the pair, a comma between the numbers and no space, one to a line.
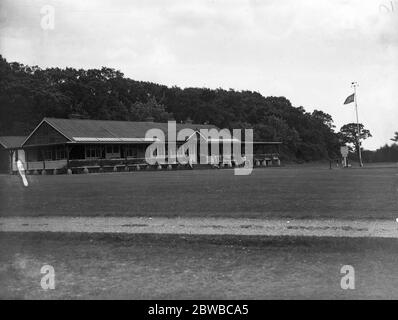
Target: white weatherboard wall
(21,156)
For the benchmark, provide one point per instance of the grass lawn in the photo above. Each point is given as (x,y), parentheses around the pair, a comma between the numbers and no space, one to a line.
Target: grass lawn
(298,192)
(195,267)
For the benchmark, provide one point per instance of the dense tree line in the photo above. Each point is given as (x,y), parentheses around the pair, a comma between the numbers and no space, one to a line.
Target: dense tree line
(29,93)
(387,153)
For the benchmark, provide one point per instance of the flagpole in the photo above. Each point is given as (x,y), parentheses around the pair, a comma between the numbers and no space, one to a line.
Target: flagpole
(354,85)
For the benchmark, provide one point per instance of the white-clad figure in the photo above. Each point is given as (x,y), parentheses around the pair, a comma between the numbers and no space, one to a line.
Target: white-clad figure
(214,161)
(190,162)
(244,158)
(21,171)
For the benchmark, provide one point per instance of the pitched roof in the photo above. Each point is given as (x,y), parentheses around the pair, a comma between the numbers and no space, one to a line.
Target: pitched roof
(102,131)
(82,130)
(12,142)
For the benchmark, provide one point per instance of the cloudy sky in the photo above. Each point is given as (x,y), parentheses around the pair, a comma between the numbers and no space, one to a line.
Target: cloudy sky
(307,50)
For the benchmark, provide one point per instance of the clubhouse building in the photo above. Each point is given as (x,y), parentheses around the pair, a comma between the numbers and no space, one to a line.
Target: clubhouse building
(80,145)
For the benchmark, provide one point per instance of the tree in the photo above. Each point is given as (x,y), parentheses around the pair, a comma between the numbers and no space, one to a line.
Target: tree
(349,135)
(325,118)
(140,111)
(395,139)
(29,93)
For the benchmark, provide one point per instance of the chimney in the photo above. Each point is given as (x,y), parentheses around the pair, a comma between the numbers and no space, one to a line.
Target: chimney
(188,121)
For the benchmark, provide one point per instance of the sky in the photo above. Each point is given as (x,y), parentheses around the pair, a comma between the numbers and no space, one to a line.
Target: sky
(309,51)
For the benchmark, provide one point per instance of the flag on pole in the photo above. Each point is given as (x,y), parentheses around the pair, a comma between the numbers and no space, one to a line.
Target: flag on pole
(349,99)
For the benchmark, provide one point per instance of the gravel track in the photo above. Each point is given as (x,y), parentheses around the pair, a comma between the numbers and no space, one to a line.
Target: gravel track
(206,226)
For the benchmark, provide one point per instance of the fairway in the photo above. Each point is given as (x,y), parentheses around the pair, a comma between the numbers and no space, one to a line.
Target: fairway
(295,192)
(97,266)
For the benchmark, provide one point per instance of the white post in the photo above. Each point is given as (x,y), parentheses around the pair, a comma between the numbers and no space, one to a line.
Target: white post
(354,84)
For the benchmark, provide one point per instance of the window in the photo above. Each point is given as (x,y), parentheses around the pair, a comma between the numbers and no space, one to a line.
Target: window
(32,155)
(93,152)
(131,151)
(48,155)
(60,153)
(112,151)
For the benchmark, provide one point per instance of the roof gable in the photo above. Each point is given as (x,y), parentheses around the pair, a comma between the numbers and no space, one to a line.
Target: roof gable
(45,134)
(56,131)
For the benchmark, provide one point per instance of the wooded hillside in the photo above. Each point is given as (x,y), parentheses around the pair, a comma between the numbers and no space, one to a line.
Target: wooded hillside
(29,93)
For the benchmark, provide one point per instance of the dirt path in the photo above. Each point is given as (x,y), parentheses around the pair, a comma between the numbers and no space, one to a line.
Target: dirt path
(216,226)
